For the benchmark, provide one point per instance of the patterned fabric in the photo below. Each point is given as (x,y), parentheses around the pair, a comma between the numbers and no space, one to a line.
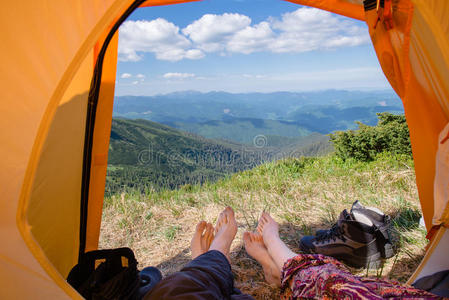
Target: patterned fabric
(316,276)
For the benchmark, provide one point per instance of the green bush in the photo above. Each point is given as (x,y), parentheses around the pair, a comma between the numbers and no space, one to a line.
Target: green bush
(390,135)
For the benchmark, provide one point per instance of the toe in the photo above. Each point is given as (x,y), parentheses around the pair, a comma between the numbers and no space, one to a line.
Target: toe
(200,227)
(246,237)
(229,214)
(219,221)
(208,237)
(265,218)
(222,216)
(211,235)
(209,230)
(230,211)
(254,237)
(250,237)
(270,218)
(205,232)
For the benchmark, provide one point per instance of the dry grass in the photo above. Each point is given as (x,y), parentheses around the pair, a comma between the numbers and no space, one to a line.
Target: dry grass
(302,195)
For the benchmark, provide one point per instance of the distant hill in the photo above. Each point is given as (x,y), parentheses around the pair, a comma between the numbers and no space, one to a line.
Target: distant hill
(241,117)
(326,119)
(148,155)
(243,130)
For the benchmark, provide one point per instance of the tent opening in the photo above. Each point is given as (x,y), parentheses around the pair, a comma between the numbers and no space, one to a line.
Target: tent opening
(169,152)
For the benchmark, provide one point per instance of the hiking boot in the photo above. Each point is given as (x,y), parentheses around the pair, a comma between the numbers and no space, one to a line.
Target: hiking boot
(352,240)
(381,223)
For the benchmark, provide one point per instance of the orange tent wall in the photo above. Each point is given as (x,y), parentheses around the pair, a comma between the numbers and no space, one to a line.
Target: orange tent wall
(48,44)
(401,51)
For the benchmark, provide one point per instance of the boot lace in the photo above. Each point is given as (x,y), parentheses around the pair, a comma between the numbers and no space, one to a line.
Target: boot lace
(331,234)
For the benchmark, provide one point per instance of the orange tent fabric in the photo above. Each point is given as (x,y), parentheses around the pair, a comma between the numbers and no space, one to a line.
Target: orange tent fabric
(48,59)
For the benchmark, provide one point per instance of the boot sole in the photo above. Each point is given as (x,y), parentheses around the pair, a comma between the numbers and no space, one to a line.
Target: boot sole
(373,261)
(386,251)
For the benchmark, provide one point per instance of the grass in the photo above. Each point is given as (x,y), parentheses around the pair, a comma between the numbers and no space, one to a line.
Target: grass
(303,195)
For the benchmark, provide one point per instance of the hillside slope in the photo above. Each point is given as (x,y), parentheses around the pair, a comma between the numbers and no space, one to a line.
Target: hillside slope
(147,155)
(302,195)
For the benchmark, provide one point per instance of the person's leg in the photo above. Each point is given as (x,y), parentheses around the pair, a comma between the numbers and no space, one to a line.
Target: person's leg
(269,230)
(209,275)
(306,276)
(256,248)
(317,276)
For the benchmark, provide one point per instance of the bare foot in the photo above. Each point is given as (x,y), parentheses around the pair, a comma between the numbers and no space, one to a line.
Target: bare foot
(225,231)
(267,227)
(256,248)
(202,239)
(278,250)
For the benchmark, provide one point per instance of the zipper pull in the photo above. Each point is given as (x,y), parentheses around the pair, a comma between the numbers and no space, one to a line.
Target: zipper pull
(386,16)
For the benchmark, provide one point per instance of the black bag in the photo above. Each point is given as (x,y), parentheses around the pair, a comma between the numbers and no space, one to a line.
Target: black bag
(106,274)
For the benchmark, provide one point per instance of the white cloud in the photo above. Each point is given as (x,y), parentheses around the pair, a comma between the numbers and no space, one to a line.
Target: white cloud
(140,76)
(127,54)
(135,82)
(251,39)
(194,54)
(305,29)
(157,36)
(125,75)
(210,32)
(257,76)
(178,75)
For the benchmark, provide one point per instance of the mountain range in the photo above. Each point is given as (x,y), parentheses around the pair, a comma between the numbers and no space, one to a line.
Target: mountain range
(241,117)
(166,141)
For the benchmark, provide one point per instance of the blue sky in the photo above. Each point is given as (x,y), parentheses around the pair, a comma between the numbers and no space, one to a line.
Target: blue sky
(243,46)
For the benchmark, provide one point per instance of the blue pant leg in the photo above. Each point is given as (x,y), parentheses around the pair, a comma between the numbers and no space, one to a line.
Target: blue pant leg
(208,276)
